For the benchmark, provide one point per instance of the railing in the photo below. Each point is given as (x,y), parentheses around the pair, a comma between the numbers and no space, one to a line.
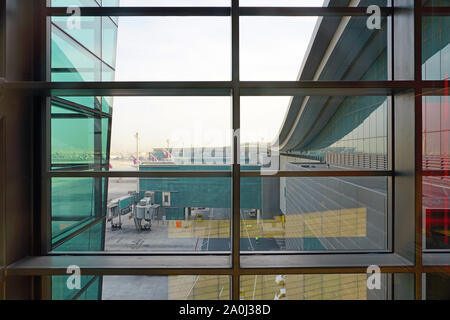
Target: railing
(436,162)
(357,160)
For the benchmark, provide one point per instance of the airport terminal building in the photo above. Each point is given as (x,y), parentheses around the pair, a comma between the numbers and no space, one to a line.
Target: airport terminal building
(356,176)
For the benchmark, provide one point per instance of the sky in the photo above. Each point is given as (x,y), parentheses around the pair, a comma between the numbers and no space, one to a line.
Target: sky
(199,49)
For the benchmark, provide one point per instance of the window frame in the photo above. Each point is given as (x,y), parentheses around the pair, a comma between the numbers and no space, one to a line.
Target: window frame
(195,264)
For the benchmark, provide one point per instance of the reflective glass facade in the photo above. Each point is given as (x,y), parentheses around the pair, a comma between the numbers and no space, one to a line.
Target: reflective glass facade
(435,134)
(80,128)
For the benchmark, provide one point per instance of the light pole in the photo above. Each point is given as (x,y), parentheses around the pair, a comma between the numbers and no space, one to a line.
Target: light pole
(137,160)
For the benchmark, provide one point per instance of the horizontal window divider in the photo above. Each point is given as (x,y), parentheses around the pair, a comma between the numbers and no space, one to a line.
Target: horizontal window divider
(143,11)
(436,269)
(321,270)
(77,167)
(330,260)
(193,265)
(140,253)
(309,11)
(115,88)
(435,11)
(210,253)
(218,11)
(436,259)
(123,265)
(340,173)
(298,253)
(222,88)
(435,173)
(338,88)
(215,174)
(436,250)
(79,108)
(73,234)
(140,174)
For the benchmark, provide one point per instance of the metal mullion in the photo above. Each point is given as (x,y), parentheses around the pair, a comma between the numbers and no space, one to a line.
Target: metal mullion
(217,11)
(144,11)
(139,174)
(309,11)
(77,232)
(436,269)
(3,247)
(79,108)
(223,88)
(318,173)
(235,232)
(46,212)
(120,271)
(102,270)
(73,167)
(435,11)
(140,253)
(435,173)
(418,147)
(322,270)
(317,253)
(2,38)
(128,88)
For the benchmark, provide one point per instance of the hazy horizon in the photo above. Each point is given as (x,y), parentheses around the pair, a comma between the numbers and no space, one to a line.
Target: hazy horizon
(199,49)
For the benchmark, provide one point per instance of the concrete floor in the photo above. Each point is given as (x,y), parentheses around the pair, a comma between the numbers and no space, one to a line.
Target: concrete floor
(135,288)
(129,239)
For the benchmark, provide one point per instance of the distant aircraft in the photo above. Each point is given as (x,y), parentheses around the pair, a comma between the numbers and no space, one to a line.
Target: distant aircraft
(135,161)
(168,155)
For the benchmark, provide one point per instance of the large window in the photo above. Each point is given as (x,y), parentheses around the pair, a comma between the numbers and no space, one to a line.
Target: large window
(244,150)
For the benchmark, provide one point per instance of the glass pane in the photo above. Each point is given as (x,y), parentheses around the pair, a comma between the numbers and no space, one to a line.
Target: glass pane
(435,133)
(181,214)
(436,286)
(315,133)
(173,133)
(435,47)
(142,49)
(109,41)
(89,288)
(435,202)
(314,214)
(166,288)
(167,214)
(89,240)
(84,49)
(144,288)
(71,61)
(301,48)
(438,3)
(78,138)
(75,203)
(313,287)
